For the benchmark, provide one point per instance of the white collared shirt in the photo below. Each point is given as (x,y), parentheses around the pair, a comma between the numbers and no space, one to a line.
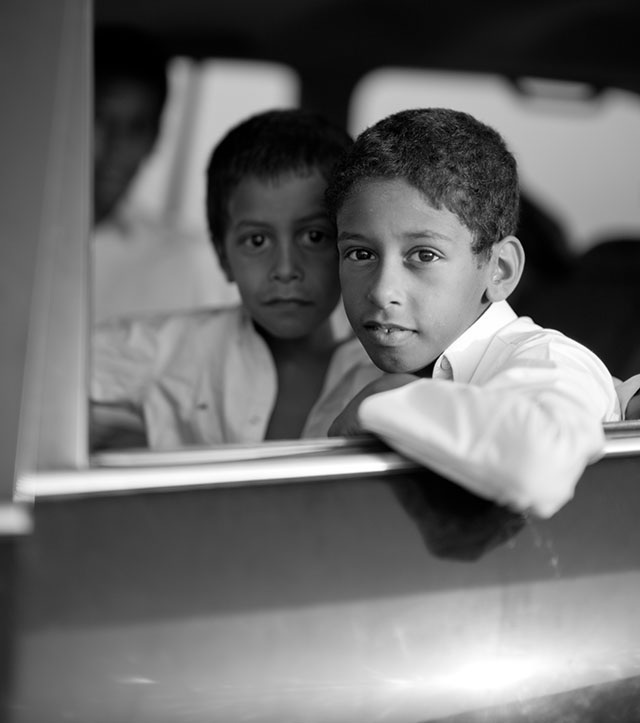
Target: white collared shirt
(513,412)
(207,377)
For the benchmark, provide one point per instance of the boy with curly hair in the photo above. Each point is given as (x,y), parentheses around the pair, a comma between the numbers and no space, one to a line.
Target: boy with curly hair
(426,205)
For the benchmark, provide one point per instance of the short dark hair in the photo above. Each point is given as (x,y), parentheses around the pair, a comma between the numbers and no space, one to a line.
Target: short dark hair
(269,145)
(449,156)
(124,52)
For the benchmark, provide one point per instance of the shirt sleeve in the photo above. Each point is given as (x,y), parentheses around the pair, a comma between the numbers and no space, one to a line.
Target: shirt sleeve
(125,357)
(522,439)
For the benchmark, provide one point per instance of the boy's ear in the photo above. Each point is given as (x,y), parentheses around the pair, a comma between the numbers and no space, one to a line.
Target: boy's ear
(506,266)
(222,258)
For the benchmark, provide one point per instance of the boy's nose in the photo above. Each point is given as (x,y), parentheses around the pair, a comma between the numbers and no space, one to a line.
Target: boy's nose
(286,266)
(386,287)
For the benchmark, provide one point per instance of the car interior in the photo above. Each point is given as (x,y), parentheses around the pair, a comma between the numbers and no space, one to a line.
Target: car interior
(569,119)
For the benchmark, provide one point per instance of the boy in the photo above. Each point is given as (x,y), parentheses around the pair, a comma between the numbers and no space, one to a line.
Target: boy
(426,205)
(272,368)
(141,264)
(130,83)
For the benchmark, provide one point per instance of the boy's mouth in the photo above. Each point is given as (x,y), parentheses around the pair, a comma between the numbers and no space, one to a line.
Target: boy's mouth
(287,301)
(387,334)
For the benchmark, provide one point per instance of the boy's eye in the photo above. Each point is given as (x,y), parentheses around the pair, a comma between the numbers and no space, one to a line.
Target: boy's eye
(254,241)
(317,237)
(424,256)
(358,254)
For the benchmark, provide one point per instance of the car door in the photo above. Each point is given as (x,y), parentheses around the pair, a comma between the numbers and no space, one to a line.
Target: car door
(319,581)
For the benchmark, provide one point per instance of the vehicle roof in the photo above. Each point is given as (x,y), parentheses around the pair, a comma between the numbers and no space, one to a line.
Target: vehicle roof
(589,40)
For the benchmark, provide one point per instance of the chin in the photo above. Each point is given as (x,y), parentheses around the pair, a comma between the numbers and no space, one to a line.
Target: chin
(397,364)
(289,331)
(393,366)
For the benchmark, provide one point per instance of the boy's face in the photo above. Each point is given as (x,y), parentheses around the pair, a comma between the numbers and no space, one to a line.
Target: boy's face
(410,281)
(127,115)
(280,248)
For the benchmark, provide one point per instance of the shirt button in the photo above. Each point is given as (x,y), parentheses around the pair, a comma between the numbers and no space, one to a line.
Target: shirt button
(255,419)
(445,365)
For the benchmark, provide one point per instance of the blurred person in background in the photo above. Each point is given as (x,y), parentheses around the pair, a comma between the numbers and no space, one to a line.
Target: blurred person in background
(141,264)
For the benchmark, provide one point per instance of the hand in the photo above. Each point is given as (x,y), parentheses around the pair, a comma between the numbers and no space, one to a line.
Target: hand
(347,423)
(115,427)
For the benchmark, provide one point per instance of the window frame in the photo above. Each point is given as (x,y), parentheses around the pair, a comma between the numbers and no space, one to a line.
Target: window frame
(49,377)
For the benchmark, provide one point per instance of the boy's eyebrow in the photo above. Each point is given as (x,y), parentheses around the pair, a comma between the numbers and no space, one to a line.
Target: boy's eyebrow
(410,236)
(417,235)
(315,216)
(250,222)
(347,236)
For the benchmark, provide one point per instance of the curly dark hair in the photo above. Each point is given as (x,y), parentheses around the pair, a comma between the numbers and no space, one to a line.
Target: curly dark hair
(456,161)
(269,145)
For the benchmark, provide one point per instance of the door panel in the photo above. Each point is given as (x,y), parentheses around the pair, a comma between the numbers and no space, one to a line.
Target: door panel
(328,601)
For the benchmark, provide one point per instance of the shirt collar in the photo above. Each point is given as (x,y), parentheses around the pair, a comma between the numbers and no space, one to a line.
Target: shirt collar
(460,359)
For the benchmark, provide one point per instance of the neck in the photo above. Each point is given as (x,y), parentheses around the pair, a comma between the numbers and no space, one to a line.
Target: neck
(426,372)
(321,341)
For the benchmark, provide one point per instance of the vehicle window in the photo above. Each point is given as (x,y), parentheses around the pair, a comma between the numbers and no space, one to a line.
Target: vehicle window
(53,424)
(542,125)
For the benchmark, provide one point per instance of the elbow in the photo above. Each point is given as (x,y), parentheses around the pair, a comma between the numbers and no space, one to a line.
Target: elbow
(546,476)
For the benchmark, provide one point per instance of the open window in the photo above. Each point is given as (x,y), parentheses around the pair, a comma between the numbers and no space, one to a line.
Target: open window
(45,373)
